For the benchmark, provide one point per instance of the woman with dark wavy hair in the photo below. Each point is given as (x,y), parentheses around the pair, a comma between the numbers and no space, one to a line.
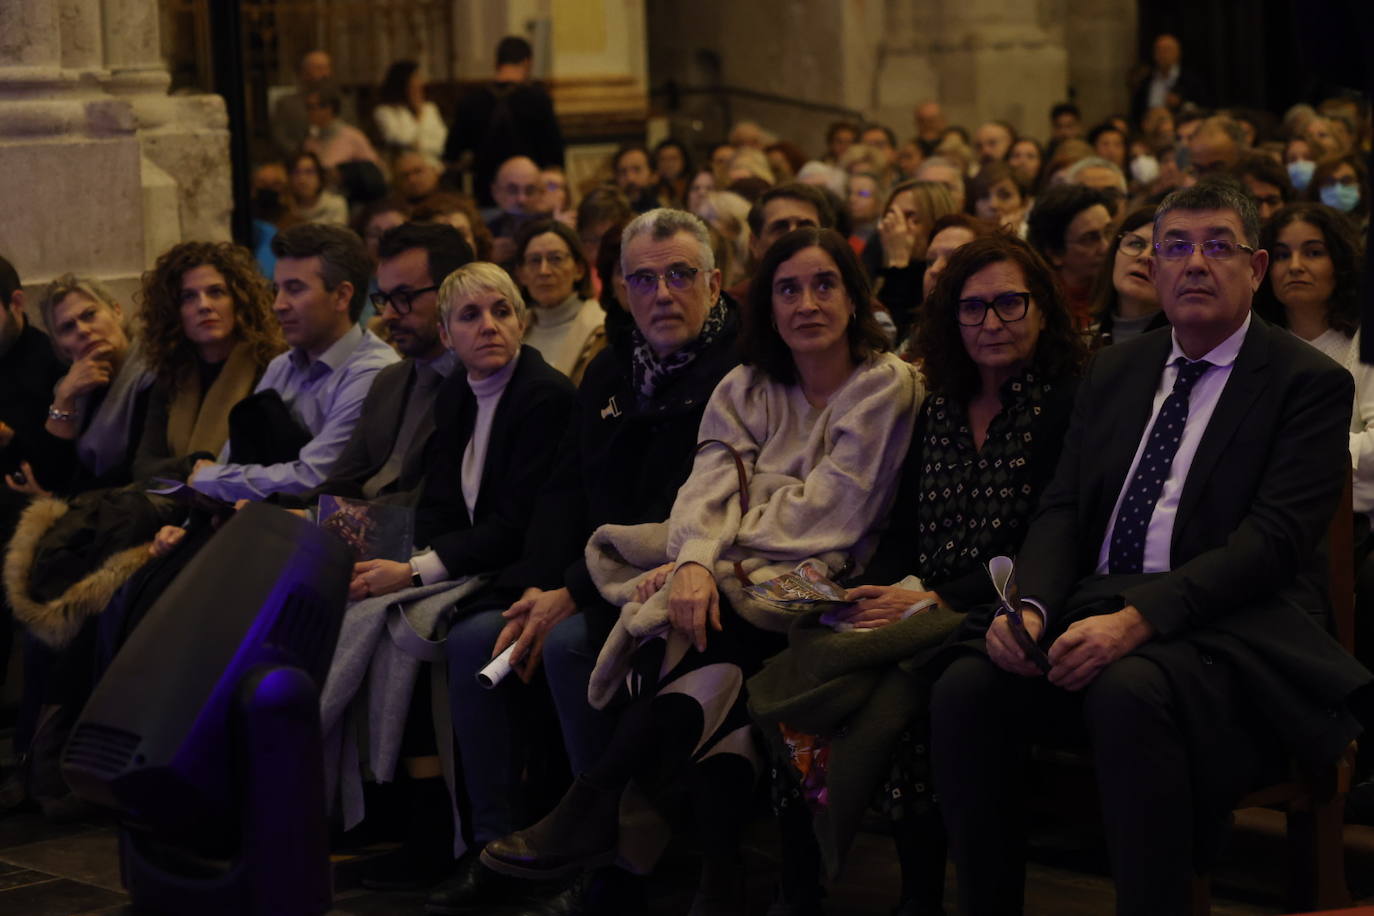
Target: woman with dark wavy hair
(1312,289)
(208,333)
(1001,360)
(801,448)
(1124,301)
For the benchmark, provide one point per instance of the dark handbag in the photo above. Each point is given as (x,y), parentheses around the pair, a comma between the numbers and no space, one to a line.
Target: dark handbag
(263,431)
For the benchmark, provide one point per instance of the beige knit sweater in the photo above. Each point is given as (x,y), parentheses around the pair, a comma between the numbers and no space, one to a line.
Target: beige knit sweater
(820,479)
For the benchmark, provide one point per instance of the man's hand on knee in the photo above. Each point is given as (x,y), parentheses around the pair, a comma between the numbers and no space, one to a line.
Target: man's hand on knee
(535,614)
(1003,648)
(1090,645)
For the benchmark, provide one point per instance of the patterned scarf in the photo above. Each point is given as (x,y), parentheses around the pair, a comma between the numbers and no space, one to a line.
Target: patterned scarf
(651,373)
(975,504)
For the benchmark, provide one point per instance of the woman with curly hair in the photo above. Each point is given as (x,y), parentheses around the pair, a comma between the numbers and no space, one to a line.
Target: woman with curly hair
(208,333)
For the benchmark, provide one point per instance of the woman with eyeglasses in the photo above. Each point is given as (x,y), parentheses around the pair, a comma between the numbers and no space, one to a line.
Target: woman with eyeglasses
(1342,183)
(566,324)
(800,450)
(1124,300)
(1001,360)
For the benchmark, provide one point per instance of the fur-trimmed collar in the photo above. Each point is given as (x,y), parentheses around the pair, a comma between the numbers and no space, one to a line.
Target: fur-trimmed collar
(57,622)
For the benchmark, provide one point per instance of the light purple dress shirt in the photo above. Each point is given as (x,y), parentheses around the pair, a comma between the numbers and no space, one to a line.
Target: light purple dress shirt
(325,395)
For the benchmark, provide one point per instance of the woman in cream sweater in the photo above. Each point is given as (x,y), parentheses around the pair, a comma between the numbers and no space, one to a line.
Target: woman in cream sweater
(816,422)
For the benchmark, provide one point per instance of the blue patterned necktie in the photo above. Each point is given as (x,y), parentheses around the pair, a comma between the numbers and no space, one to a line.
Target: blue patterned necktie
(1127,551)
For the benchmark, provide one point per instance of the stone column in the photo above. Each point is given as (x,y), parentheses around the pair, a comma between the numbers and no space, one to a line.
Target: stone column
(981,59)
(102,171)
(30,39)
(1102,36)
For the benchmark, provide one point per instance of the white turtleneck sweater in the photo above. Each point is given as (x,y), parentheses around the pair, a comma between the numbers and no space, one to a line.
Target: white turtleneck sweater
(560,333)
(488,392)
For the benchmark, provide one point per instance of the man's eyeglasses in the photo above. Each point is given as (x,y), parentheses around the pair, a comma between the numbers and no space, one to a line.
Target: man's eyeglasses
(1212,249)
(643,282)
(401,300)
(555,260)
(1131,245)
(972,312)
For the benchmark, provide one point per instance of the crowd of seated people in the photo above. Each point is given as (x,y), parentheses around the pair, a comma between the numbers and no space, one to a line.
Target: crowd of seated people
(1125,355)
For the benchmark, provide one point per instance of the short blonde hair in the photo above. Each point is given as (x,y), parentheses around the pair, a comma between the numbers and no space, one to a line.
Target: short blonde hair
(64,286)
(754,162)
(475,277)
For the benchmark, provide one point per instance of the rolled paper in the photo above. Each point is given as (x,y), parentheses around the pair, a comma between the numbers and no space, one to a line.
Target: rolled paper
(496,669)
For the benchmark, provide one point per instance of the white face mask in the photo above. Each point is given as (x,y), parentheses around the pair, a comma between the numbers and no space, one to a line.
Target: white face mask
(1144,169)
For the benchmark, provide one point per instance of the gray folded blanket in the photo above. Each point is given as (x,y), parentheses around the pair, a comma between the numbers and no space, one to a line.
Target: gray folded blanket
(366,696)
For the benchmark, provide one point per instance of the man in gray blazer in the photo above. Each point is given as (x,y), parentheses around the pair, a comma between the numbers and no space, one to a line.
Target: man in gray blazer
(383,458)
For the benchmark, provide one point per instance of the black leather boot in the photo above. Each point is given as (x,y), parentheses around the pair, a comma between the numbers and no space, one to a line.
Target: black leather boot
(581,832)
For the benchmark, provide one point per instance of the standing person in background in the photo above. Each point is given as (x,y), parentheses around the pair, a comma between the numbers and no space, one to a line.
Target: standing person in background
(290,123)
(1166,84)
(405,119)
(510,116)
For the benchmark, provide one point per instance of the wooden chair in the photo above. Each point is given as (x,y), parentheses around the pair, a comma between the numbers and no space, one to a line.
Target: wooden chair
(1314,802)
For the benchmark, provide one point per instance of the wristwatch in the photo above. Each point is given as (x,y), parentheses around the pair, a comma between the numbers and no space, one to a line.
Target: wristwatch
(415,580)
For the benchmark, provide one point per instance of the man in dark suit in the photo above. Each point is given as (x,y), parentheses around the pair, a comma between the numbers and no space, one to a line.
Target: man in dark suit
(383,456)
(1174,573)
(1166,83)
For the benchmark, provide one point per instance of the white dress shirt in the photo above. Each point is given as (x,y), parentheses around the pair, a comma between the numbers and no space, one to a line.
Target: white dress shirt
(1159,535)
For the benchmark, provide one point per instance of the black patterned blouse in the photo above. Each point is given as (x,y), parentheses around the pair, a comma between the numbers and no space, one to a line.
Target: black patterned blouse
(975,504)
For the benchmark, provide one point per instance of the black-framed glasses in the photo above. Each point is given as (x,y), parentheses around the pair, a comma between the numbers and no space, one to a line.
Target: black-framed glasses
(1212,249)
(643,282)
(972,312)
(401,300)
(1131,245)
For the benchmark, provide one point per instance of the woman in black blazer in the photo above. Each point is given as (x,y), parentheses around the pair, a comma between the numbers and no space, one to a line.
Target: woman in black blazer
(498,422)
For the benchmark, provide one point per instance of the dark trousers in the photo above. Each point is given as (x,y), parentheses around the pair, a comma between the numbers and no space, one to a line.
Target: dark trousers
(983,718)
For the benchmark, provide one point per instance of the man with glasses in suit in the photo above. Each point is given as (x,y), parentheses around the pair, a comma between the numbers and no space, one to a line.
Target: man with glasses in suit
(1174,578)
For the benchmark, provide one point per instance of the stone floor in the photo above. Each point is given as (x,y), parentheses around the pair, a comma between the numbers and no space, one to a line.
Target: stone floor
(52,870)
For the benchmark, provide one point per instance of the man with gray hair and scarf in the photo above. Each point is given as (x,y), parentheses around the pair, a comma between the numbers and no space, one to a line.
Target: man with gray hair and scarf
(628,449)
